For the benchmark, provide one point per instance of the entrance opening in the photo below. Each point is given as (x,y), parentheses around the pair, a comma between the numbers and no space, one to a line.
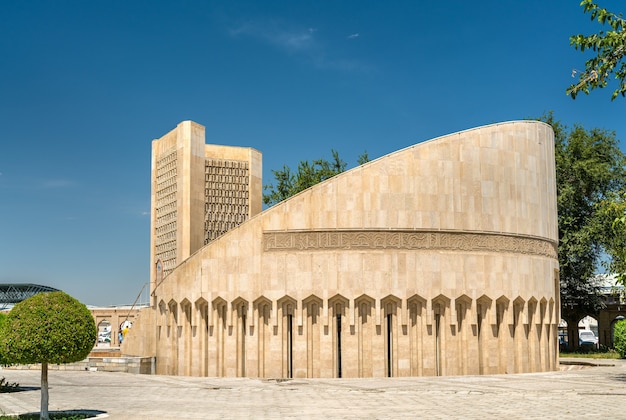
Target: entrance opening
(104,334)
(243,345)
(479,327)
(338,346)
(290,346)
(389,349)
(437,345)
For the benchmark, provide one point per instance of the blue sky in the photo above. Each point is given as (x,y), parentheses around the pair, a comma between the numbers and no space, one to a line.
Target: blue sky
(86,85)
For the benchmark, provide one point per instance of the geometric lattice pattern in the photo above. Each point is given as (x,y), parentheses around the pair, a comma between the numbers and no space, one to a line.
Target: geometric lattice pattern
(166,213)
(16,292)
(226,192)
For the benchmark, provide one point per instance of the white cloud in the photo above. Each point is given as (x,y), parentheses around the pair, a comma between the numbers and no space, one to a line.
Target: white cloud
(278,34)
(301,42)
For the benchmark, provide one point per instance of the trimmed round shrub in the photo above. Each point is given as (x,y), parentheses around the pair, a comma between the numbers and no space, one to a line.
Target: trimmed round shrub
(48,328)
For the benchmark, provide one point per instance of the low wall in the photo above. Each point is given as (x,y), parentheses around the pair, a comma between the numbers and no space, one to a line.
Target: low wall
(142,365)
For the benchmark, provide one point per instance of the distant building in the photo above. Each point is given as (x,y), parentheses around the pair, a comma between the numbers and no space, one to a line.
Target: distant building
(438,259)
(602,322)
(613,311)
(110,322)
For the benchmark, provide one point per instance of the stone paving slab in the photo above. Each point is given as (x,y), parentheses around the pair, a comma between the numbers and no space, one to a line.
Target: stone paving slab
(589,392)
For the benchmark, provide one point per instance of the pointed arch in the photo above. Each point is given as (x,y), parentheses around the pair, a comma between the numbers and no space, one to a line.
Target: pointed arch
(365,310)
(462,307)
(502,313)
(260,305)
(172,307)
(484,310)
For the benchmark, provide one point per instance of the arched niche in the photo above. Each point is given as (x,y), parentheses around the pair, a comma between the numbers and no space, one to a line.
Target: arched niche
(262,307)
(104,333)
(172,307)
(462,307)
(185,308)
(364,306)
(313,305)
(219,308)
(337,305)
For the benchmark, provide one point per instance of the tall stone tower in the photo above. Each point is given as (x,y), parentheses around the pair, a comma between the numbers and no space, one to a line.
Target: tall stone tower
(199,192)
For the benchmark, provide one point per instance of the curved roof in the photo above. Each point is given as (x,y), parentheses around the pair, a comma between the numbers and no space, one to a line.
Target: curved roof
(11,293)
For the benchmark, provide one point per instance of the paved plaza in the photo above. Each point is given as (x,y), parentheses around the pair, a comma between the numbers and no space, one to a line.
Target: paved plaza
(587,392)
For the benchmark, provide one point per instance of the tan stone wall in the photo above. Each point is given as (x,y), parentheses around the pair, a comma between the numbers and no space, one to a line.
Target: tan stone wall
(115,316)
(178,194)
(439,259)
(141,339)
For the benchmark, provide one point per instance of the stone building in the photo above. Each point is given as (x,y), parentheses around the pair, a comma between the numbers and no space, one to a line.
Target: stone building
(199,192)
(110,322)
(438,259)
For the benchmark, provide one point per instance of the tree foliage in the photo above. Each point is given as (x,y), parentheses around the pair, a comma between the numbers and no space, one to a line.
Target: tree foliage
(608,49)
(619,338)
(614,213)
(3,360)
(307,175)
(47,328)
(589,172)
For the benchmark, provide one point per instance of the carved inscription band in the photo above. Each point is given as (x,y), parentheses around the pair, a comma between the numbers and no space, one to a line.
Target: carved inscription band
(394,239)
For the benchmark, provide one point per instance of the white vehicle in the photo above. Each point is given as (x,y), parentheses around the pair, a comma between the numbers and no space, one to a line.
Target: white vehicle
(587,338)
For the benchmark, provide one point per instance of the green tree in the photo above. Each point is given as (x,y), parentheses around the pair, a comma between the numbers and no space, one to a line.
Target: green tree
(619,338)
(3,360)
(48,328)
(614,213)
(589,172)
(363,158)
(309,173)
(608,48)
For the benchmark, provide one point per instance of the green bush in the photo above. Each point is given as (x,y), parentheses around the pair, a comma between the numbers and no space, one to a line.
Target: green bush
(619,338)
(3,358)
